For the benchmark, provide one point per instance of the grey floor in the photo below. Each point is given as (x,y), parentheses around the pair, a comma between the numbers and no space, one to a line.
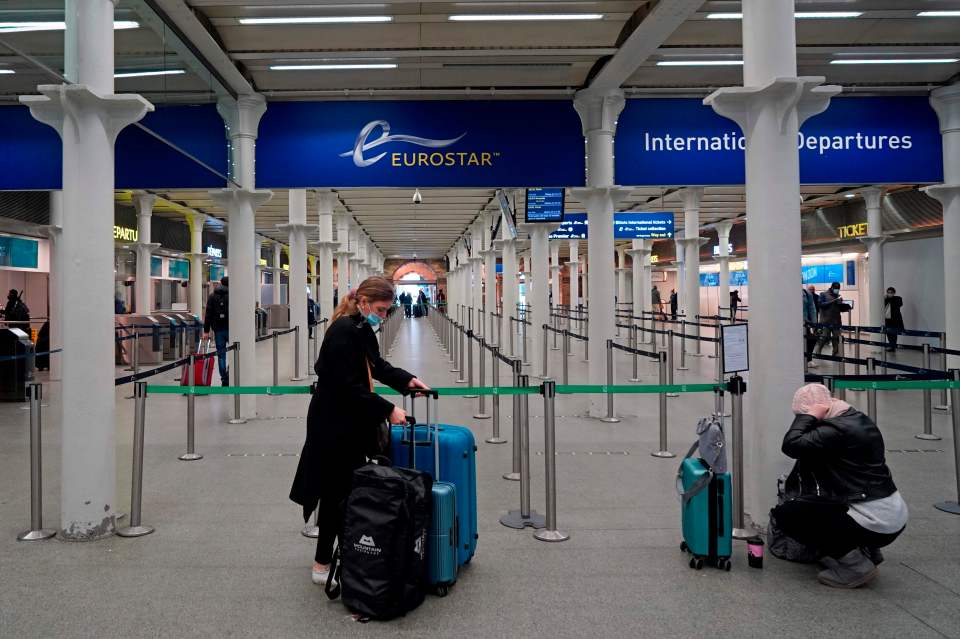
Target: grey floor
(228,560)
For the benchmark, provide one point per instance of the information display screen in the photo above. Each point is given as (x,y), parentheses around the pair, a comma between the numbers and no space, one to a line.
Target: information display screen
(179,269)
(822,273)
(643,226)
(573,227)
(18,252)
(544,205)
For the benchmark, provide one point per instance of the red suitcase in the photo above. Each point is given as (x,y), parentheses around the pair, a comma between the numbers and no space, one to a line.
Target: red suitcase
(202,368)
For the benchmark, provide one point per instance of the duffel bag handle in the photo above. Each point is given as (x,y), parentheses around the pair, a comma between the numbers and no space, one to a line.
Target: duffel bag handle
(332,587)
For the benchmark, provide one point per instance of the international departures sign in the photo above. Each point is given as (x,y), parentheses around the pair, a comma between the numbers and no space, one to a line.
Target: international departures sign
(659,142)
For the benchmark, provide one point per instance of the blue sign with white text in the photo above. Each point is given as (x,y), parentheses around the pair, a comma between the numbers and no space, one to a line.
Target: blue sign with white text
(573,227)
(430,143)
(822,273)
(643,226)
(544,205)
(870,140)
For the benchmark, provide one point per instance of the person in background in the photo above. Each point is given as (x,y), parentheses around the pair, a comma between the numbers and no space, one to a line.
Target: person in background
(16,310)
(656,303)
(313,311)
(831,306)
(424,301)
(118,307)
(816,298)
(809,319)
(216,318)
(673,304)
(734,303)
(848,506)
(892,317)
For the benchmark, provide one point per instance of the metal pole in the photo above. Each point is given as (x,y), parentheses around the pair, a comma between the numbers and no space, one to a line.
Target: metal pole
(610,418)
(683,346)
(470,338)
(276,360)
(37,532)
(550,533)
(191,454)
(927,403)
(954,506)
(297,376)
(663,452)
(136,352)
(525,516)
(482,401)
(856,348)
(514,474)
(136,529)
(236,382)
(586,340)
(737,387)
(718,402)
(634,356)
(556,329)
(546,337)
(943,405)
(842,366)
(495,380)
(566,354)
(451,343)
(460,364)
(670,362)
(697,352)
(500,330)
(523,336)
(872,392)
(513,351)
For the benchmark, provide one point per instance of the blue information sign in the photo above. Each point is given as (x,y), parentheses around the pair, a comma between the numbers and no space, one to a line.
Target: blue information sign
(643,226)
(573,227)
(544,205)
(18,252)
(822,273)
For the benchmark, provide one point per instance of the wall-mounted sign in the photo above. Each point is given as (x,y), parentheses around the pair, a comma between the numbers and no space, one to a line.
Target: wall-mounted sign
(262,262)
(573,227)
(179,269)
(654,259)
(125,234)
(544,205)
(643,226)
(213,251)
(19,252)
(852,230)
(821,273)
(716,249)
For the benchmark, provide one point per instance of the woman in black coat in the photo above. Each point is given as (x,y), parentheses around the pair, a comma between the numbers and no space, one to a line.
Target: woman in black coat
(345,414)
(892,317)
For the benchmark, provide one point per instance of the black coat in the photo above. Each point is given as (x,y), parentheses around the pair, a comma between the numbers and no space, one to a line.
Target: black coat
(844,455)
(344,415)
(896,317)
(212,320)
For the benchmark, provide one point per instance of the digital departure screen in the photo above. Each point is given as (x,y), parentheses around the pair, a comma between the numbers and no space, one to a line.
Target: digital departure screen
(643,226)
(544,205)
(573,227)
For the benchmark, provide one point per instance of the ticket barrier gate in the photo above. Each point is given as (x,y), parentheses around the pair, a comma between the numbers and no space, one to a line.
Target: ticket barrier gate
(278,315)
(191,333)
(171,328)
(15,373)
(261,319)
(149,344)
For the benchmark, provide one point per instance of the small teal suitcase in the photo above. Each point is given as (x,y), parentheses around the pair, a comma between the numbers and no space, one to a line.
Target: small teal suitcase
(442,565)
(706,514)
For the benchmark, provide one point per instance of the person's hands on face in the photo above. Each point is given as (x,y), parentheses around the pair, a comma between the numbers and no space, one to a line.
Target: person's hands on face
(398,416)
(818,411)
(415,384)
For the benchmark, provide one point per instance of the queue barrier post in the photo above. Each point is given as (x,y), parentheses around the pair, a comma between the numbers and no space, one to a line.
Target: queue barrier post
(872,392)
(513,351)
(670,348)
(943,405)
(191,454)
(37,532)
(842,366)
(236,419)
(136,528)
(297,371)
(460,361)
(482,399)
(276,359)
(544,363)
(523,337)
(550,532)
(663,452)
(556,330)
(524,517)
(634,356)
(470,337)
(586,341)
(566,354)
(953,507)
(737,388)
(495,400)
(927,433)
(499,330)
(697,352)
(856,348)
(610,418)
(683,346)
(514,474)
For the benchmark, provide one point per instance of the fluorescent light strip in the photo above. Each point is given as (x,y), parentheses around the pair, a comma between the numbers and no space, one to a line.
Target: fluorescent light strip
(317,20)
(898,61)
(6,71)
(523,17)
(700,63)
(20,27)
(939,14)
(800,15)
(330,67)
(143,74)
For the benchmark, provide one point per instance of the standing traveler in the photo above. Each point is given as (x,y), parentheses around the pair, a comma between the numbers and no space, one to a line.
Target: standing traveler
(655,302)
(892,317)
(816,298)
(846,505)
(809,319)
(734,303)
(345,416)
(313,311)
(422,303)
(16,310)
(217,319)
(831,306)
(673,304)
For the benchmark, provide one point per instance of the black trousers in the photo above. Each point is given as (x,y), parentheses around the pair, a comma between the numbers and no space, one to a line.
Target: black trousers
(330,518)
(892,330)
(828,527)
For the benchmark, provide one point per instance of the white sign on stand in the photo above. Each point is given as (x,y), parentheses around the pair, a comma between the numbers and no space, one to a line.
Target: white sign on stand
(736,358)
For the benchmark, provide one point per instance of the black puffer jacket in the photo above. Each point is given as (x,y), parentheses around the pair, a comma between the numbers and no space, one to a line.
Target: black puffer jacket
(843,457)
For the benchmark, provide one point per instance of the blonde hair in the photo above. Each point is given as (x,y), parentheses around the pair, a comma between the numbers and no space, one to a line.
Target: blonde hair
(375,289)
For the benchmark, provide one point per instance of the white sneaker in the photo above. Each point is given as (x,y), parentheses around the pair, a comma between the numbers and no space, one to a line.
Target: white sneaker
(319,577)
(813,364)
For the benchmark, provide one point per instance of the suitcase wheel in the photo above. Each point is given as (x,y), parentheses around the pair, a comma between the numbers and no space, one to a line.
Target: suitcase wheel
(724,564)
(684,547)
(441,591)
(696,563)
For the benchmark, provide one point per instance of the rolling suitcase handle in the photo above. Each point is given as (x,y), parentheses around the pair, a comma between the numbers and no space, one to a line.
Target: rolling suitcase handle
(428,393)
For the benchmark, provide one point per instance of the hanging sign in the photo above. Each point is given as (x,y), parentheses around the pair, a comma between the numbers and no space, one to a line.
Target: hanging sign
(213,251)
(852,230)
(643,226)
(125,233)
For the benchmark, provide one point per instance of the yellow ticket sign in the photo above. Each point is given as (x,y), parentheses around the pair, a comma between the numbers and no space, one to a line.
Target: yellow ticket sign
(852,230)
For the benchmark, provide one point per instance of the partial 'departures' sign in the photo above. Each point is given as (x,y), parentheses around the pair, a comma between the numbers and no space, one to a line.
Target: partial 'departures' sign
(626,226)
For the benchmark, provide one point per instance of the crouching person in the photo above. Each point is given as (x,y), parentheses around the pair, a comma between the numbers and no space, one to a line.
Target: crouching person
(847,506)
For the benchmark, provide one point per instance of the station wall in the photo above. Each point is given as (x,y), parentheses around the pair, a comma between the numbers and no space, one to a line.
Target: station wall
(915,269)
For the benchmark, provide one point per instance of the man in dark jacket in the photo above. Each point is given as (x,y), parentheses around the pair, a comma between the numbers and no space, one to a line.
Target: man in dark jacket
(217,319)
(831,306)
(892,317)
(847,506)
(734,304)
(673,303)
(16,310)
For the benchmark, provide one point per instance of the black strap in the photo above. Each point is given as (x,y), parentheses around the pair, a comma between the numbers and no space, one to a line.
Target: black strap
(332,587)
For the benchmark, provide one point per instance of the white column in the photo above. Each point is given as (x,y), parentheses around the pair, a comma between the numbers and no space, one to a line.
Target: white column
(511,286)
(573,270)
(490,278)
(555,270)
(143,203)
(326,200)
(195,222)
(621,270)
(641,296)
(598,115)
(297,279)
(769,109)
(276,270)
(88,116)
(679,261)
(538,298)
(723,294)
(343,255)
(54,288)
(946,102)
(873,200)
(691,245)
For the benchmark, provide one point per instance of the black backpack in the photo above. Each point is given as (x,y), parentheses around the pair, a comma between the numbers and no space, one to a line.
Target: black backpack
(380,567)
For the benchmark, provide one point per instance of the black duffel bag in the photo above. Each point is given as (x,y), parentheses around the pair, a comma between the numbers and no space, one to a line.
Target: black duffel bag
(379,569)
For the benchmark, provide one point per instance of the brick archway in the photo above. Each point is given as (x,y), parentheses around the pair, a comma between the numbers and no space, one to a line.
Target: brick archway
(415,266)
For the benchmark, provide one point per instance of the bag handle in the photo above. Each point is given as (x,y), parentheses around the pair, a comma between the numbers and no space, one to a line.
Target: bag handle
(332,587)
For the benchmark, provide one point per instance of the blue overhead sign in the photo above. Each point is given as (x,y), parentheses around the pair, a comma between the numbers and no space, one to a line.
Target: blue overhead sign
(544,205)
(822,273)
(878,140)
(573,227)
(643,226)
(429,143)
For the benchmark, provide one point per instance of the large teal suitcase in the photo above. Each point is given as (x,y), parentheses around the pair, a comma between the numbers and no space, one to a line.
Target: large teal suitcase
(706,514)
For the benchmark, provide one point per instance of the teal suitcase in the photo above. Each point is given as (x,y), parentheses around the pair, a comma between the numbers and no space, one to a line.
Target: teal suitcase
(706,514)
(442,564)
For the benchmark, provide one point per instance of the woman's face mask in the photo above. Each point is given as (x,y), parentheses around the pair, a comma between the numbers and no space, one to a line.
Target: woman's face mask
(374,313)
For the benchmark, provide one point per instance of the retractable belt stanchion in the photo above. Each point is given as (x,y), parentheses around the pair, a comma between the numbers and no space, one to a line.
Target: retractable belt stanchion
(482,399)
(634,356)
(872,392)
(513,351)
(470,338)
(842,366)
(697,352)
(451,344)
(495,400)
(499,329)
(610,417)
(737,387)
(954,506)
(37,532)
(943,405)
(525,516)
(276,359)
(550,532)
(136,528)
(718,407)
(236,381)
(523,337)
(566,353)
(586,340)
(670,347)
(297,377)
(514,474)
(546,337)
(663,452)
(856,349)
(191,454)
(461,364)
(683,346)
(716,336)
(927,433)
(556,330)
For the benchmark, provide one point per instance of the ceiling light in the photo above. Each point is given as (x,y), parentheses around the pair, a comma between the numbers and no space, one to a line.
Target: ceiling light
(524,17)
(143,74)
(700,63)
(800,15)
(330,67)
(849,196)
(897,61)
(939,14)
(6,71)
(317,20)
(19,27)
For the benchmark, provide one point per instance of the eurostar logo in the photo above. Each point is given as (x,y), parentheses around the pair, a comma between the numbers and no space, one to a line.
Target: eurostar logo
(399,159)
